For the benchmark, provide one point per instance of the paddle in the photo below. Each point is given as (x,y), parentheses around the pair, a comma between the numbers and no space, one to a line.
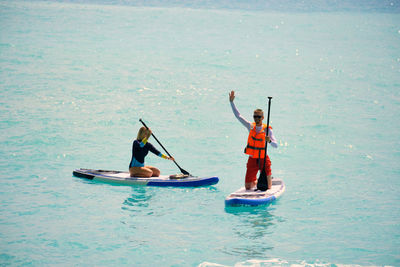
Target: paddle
(182,170)
(262,183)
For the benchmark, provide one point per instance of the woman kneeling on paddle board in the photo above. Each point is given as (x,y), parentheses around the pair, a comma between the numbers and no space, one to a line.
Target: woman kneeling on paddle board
(140,149)
(255,144)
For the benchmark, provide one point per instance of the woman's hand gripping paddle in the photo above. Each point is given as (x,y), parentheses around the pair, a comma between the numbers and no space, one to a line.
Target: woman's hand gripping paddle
(182,170)
(262,183)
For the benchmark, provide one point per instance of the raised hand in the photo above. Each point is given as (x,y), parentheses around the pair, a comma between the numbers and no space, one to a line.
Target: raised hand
(231,96)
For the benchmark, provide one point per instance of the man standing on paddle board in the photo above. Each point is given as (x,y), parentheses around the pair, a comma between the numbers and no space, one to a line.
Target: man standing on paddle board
(255,144)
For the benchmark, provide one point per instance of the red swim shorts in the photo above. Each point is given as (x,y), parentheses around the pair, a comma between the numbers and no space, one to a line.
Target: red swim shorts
(253,166)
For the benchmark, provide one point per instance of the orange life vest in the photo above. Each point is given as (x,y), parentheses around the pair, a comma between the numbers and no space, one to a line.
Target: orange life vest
(256,142)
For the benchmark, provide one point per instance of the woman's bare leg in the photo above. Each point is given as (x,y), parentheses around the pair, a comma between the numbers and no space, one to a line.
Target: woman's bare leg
(140,172)
(156,172)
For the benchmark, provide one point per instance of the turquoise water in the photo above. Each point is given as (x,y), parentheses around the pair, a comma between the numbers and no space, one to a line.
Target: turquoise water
(76,78)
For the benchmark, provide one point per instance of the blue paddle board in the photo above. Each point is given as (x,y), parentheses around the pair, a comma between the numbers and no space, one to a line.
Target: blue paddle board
(123,178)
(254,197)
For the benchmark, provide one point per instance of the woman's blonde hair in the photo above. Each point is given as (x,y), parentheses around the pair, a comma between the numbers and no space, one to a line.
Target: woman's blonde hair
(143,132)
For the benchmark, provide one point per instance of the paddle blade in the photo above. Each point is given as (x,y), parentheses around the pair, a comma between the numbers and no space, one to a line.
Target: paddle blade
(185,172)
(262,183)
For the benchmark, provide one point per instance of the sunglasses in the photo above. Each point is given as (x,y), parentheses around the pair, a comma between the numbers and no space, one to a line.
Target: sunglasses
(257,116)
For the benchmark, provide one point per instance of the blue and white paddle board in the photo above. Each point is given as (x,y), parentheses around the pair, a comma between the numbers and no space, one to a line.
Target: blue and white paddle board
(254,197)
(123,178)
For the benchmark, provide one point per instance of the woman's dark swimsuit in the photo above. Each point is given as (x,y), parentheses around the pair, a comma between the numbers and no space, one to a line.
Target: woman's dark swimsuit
(140,151)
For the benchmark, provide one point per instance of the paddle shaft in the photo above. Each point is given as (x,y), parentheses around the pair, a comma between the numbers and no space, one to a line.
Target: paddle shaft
(262,183)
(266,143)
(182,170)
